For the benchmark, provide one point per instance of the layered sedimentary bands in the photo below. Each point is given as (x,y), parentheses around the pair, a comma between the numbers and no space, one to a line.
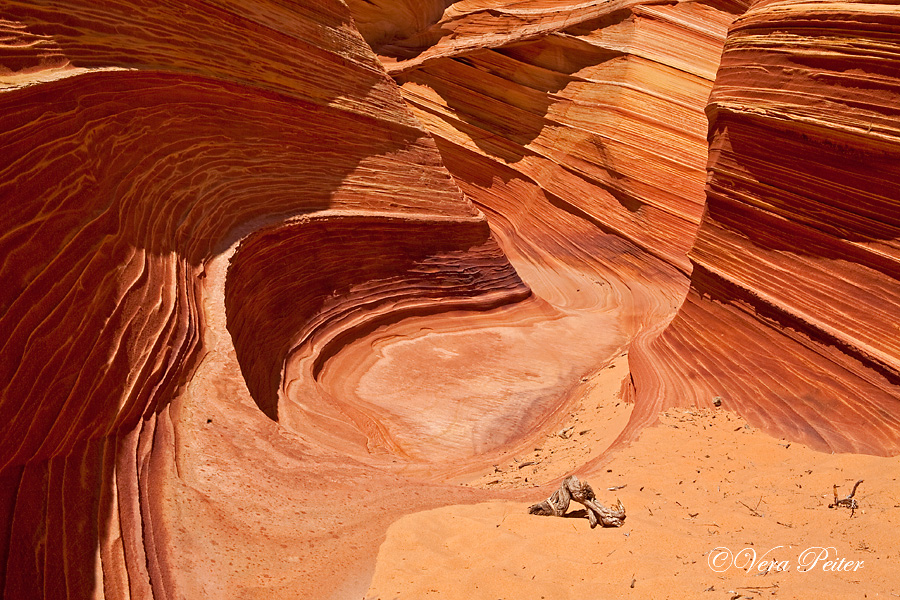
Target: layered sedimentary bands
(263,260)
(793,309)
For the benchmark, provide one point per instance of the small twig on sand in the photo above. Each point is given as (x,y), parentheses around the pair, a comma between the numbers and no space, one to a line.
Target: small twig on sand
(757,588)
(753,511)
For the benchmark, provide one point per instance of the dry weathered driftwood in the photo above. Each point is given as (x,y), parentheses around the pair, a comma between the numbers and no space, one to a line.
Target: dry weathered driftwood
(572,489)
(847,502)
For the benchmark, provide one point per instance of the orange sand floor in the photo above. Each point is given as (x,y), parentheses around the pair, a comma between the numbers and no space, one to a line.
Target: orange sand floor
(693,486)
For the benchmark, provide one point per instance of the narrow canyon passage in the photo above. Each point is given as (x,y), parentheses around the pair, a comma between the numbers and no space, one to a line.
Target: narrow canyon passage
(459,388)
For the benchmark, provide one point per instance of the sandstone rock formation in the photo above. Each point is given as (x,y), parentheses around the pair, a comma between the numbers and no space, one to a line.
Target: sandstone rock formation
(582,137)
(145,147)
(793,309)
(263,259)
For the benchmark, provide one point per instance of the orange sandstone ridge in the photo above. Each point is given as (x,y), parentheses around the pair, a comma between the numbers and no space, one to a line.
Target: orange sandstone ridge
(277,274)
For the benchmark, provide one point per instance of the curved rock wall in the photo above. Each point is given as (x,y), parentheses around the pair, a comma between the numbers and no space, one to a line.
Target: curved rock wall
(349,274)
(582,136)
(599,105)
(794,302)
(247,278)
(579,130)
(141,142)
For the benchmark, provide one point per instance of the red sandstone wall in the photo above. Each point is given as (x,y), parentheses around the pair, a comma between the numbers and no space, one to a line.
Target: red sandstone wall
(206,205)
(794,302)
(140,142)
(599,106)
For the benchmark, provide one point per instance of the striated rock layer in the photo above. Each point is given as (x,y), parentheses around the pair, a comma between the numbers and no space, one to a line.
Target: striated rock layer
(144,147)
(600,106)
(254,271)
(794,301)
(582,137)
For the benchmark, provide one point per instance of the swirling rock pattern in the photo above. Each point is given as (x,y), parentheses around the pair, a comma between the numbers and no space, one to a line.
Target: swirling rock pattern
(146,145)
(596,105)
(582,137)
(248,277)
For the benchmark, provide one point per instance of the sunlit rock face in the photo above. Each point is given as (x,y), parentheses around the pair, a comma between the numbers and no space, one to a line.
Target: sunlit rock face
(793,309)
(145,147)
(263,260)
(598,105)
(580,130)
